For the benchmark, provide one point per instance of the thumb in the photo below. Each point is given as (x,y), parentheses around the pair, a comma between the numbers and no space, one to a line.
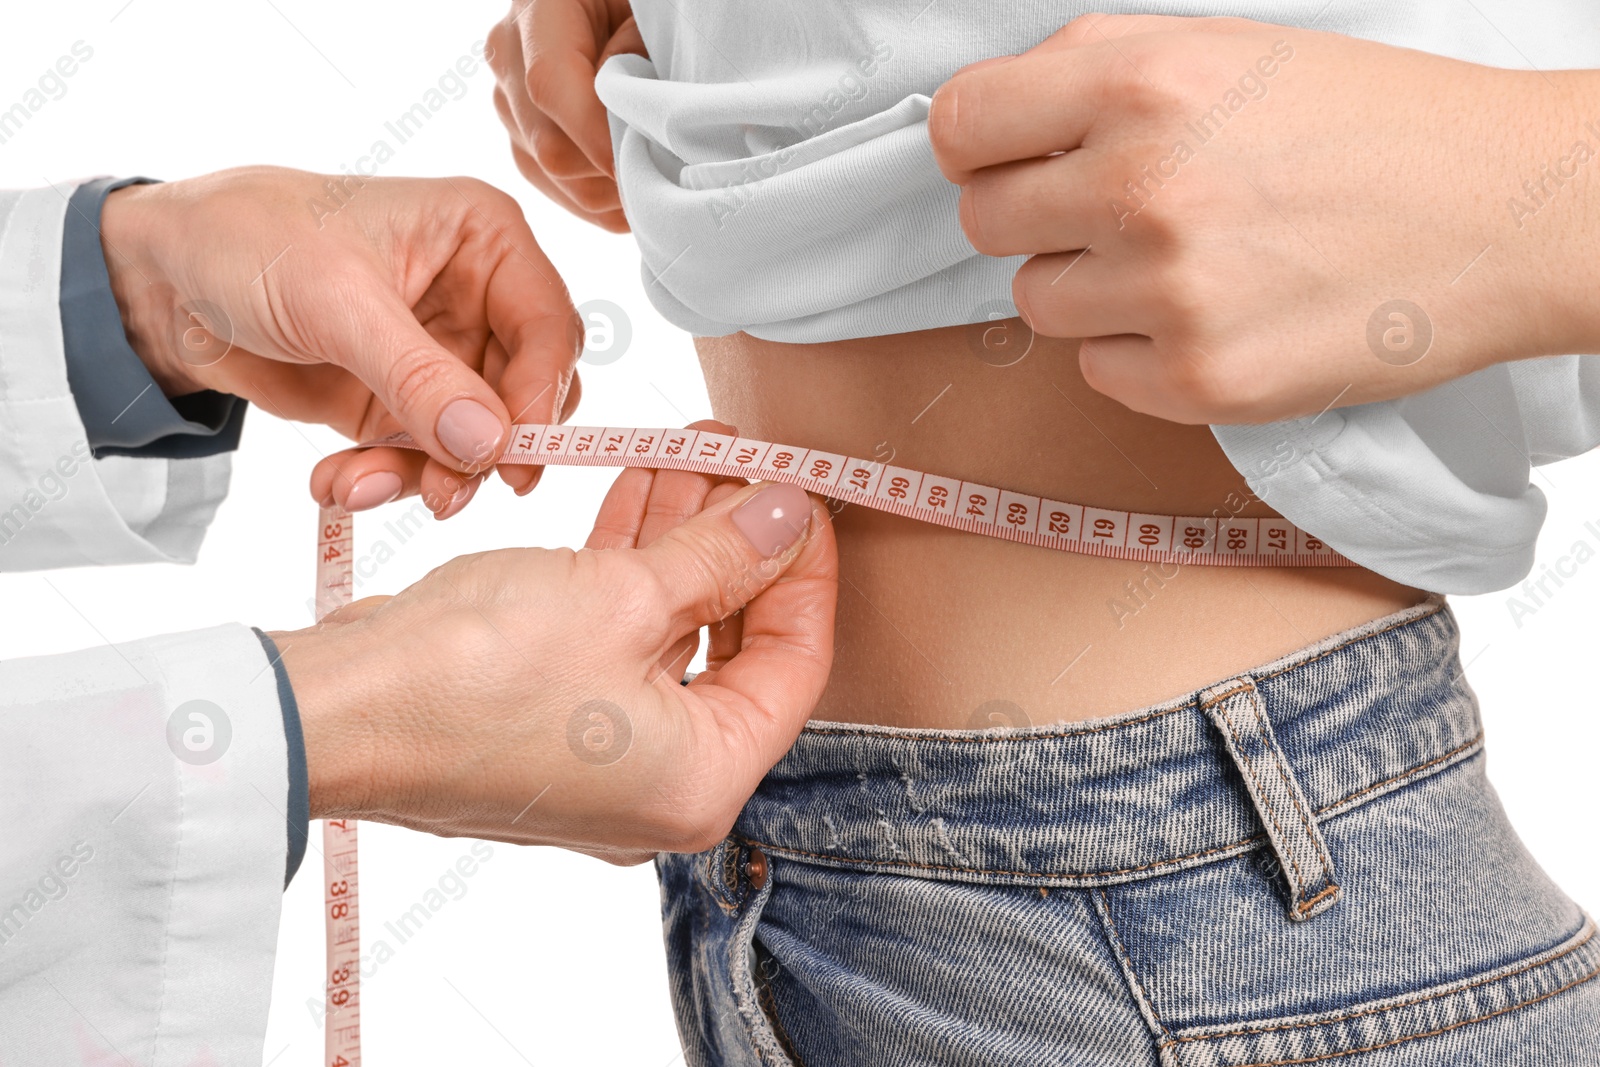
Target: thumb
(763,693)
(440,401)
(726,556)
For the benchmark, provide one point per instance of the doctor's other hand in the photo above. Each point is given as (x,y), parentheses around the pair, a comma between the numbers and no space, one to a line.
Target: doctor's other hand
(367,304)
(545,54)
(1250,222)
(534,696)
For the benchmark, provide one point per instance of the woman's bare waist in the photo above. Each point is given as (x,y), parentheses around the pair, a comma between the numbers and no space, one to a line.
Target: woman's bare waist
(945,629)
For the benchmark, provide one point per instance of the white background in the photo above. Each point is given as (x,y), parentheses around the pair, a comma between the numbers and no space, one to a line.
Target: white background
(548,957)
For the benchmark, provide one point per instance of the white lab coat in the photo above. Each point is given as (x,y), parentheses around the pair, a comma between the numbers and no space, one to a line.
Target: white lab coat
(139,893)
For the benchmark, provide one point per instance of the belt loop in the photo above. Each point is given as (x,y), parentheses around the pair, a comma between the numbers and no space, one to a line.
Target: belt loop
(1235,707)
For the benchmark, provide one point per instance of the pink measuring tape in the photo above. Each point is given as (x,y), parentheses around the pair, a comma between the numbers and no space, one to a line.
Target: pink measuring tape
(1212,540)
(340,871)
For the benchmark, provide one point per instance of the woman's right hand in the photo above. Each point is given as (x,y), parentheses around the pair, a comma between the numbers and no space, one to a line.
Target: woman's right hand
(545,54)
(533,696)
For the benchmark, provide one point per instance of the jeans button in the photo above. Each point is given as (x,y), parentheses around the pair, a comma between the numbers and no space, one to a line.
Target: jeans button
(755,868)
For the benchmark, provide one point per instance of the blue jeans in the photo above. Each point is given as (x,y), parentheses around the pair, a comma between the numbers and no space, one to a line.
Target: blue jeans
(1302,864)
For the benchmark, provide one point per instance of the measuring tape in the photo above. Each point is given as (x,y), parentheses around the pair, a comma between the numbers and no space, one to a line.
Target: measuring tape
(340,870)
(1213,540)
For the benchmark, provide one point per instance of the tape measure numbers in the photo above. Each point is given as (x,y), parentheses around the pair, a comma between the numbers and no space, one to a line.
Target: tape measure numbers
(1230,541)
(341,911)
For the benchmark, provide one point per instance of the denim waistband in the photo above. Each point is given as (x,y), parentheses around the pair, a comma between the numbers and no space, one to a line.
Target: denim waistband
(1261,757)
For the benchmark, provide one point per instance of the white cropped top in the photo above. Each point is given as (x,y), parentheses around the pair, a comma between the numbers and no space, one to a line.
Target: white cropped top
(775,167)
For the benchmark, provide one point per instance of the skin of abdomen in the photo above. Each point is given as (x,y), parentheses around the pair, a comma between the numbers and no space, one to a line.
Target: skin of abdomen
(948,630)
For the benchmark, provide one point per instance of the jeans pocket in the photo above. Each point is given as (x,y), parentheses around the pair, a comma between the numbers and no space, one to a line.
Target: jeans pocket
(1482,1019)
(1450,946)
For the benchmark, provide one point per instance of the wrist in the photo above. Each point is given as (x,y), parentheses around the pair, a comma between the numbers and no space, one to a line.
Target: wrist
(1551,278)
(332,684)
(130,226)
(1576,248)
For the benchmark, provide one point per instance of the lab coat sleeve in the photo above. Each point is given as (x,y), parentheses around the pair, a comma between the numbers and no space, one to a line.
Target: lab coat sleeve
(143,787)
(60,507)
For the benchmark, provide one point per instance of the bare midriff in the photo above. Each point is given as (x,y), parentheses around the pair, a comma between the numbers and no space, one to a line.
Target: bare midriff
(948,630)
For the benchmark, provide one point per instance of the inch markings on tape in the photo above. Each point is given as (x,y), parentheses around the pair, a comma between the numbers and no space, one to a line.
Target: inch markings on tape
(341,910)
(1211,540)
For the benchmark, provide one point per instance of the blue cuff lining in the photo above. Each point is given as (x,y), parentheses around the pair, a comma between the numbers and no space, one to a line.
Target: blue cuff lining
(299,800)
(123,410)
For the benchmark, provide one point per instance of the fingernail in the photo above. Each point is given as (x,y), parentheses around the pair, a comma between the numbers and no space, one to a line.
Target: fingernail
(470,431)
(373,489)
(774,518)
(459,501)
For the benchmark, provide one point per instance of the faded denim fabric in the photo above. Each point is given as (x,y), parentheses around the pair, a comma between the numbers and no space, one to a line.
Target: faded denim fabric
(1302,864)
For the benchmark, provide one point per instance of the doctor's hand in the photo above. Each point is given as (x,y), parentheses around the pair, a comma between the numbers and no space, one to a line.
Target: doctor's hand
(368,304)
(1249,222)
(545,54)
(534,696)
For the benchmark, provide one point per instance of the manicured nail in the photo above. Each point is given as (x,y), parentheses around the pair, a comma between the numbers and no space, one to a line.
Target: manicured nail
(774,518)
(470,431)
(373,489)
(459,501)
